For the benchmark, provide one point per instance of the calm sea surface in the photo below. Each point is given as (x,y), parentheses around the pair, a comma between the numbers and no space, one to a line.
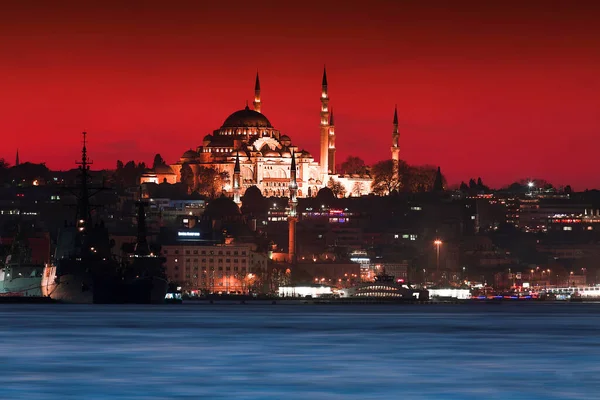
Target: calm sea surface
(477,351)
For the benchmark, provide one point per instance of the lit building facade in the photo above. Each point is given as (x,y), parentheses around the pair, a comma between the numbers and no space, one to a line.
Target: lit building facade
(265,155)
(226,268)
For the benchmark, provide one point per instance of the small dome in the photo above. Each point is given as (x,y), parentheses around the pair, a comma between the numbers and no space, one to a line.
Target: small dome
(305,153)
(242,154)
(190,154)
(246,118)
(208,138)
(285,140)
(163,169)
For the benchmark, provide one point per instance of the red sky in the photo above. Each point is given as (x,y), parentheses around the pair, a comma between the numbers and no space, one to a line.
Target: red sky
(503,91)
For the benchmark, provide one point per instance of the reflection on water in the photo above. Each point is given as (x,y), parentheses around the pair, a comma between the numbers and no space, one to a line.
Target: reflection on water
(507,351)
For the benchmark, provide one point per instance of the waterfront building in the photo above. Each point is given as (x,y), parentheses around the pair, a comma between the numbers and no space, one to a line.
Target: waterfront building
(214,268)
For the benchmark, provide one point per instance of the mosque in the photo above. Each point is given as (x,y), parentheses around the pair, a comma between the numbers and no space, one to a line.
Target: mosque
(253,152)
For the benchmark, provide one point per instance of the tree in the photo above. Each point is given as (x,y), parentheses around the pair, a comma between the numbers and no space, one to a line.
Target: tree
(384,181)
(358,189)
(158,160)
(336,187)
(3,164)
(464,187)
(128,175)
(253,202)
(187,176)
(325,196)
(418,179)
(211,182)
(353,165)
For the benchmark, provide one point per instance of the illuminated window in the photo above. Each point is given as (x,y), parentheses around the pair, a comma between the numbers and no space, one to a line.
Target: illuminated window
(567,228)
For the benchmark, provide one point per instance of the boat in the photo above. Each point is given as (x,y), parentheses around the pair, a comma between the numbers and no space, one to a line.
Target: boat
(385,286)
(84,270)
(19,276)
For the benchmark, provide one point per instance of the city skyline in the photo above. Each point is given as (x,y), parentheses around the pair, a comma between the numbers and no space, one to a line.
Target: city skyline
(501,92)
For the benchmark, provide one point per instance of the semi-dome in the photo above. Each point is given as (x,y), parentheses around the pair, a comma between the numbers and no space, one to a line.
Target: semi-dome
(246,118)
(286,153)
(272,153)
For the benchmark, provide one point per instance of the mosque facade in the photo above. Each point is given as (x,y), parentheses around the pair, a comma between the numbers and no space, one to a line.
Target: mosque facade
(264,155)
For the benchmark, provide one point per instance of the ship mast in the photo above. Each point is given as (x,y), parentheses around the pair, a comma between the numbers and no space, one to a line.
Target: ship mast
(84,215)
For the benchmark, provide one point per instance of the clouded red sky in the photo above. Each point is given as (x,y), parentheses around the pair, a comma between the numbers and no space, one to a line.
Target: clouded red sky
(503,91)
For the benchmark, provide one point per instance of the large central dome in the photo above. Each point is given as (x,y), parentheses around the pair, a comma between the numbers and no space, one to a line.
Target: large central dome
(246,118)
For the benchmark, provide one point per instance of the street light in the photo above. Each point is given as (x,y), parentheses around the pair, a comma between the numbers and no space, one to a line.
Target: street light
(437,243)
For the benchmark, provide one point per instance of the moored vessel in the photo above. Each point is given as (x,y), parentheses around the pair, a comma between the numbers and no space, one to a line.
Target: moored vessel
(84,270)
(19,275)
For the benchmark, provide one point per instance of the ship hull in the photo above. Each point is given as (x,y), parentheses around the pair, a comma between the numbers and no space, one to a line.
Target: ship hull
(149,290)
(82,288)
(21,280)
(68,288)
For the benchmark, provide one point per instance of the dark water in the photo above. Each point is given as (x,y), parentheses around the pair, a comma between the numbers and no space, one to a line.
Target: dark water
(507,351)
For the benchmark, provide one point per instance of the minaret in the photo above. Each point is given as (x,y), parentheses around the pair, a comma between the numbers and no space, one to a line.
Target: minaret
(256,102)
(395,146)
(324,160)
(292,216)
(331,150)
(236,180)
(17,159)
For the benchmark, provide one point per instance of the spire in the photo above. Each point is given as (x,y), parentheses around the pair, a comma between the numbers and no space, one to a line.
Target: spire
(325,144)
(256,103)
(396,146)
(331,117)
(237,184)
(293,168)
(247,108)
(292,215)
(236,169)
(17,159)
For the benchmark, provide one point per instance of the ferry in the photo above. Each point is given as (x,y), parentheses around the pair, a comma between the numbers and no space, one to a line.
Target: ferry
(574,293)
